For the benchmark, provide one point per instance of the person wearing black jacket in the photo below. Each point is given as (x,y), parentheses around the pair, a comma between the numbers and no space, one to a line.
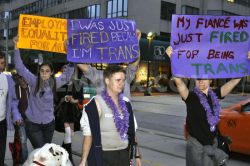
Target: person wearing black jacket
(203,110)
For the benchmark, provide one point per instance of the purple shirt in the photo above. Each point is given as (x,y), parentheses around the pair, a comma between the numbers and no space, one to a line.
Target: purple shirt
(12,113)
(40,109)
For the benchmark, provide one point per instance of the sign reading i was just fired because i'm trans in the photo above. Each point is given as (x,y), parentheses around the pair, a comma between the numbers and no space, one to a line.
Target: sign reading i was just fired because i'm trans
(102,41)
(210,46)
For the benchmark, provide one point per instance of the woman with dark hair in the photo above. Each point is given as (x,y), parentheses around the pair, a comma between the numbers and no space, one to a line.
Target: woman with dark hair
(39,120)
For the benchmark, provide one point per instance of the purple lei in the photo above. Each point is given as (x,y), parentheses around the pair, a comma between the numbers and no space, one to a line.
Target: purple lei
(121,124)
(212,118)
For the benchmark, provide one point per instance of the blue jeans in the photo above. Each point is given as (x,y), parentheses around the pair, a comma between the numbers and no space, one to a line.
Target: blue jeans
(23,139)
(39,134)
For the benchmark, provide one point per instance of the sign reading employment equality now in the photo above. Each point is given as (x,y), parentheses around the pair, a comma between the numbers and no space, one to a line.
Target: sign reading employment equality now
(102,41)
(42,33)
(210,46)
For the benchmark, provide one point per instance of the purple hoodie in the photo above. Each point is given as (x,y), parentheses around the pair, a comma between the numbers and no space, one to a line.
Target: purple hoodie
(12,113)
(40,109)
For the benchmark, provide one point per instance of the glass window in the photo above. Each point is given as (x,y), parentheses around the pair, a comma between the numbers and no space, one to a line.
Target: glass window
(114,9)
(125,7)
(165,36)
(92,11)
(190,10)
(220,12)
(109,11)
(167,9)
(1,33)
(119,11)
(117,8)
(243,2)
(98,11)
(226,13)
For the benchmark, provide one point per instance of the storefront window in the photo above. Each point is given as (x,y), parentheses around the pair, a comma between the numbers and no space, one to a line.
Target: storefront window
(167,10)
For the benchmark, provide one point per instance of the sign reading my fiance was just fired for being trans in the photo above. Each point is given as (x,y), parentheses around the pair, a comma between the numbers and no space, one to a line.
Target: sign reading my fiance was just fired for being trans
(102,41)
(210,46)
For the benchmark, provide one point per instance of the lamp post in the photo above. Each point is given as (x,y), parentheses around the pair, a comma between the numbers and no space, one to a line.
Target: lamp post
(150,37)
(5,19)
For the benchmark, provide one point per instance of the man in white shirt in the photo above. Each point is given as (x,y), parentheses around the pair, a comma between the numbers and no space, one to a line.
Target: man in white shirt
(8,107)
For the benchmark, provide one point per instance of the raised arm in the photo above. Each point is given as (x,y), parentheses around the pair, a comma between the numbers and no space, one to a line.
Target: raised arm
(136,63)
(228,87)
(181,86)
(84,68)
(94,75)
(66,76)
(21,69)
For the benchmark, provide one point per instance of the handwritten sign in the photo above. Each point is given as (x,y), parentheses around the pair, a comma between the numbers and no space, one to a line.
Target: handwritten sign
(102,41)
(42,33)
(210,46)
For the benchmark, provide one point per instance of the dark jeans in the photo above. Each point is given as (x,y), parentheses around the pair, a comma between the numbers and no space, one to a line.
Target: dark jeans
(39,134)
(23,139)
(116,158)
(3,138)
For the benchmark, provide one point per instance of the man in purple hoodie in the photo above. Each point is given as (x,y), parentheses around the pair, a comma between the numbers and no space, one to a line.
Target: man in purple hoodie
(8,107)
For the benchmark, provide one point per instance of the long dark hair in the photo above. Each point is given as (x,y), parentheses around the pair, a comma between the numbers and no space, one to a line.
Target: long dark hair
(52,81)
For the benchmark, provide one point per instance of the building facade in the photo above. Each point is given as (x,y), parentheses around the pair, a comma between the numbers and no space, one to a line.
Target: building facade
(150,16)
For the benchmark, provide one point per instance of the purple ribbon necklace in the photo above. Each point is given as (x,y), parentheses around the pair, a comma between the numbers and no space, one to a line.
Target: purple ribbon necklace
(212,117)
(121,119)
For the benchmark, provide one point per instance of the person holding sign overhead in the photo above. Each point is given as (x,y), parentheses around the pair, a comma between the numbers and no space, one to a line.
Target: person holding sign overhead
(96,76)
(108,124)
(203,109)
(39,120)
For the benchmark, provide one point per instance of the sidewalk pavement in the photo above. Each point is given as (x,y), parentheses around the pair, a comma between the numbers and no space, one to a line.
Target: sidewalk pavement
(146,104)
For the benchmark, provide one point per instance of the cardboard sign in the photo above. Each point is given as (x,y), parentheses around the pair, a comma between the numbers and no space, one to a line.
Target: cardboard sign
(210,46)
(42,33)
(102,41)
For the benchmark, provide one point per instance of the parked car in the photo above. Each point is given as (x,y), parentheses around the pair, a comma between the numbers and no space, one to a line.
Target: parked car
(235,123)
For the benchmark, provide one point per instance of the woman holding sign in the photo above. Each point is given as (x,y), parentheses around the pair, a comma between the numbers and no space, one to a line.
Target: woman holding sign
(203,111)
(39,120)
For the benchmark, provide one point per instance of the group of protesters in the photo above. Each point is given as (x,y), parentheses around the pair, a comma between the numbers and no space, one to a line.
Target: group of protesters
(28,106)
(108,123)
